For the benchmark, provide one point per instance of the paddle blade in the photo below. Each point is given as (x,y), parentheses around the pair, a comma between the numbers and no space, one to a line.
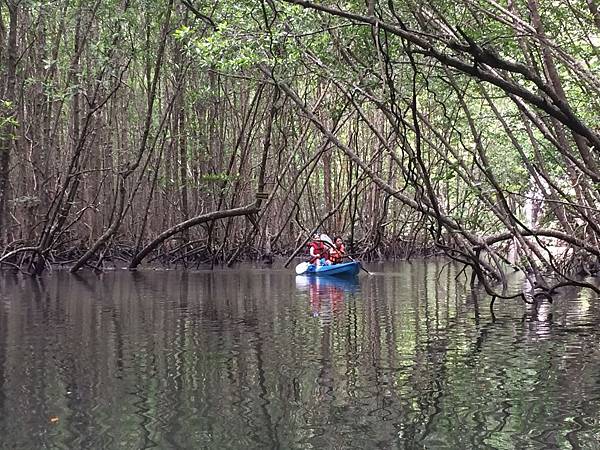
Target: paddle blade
(302,267)
(326,238)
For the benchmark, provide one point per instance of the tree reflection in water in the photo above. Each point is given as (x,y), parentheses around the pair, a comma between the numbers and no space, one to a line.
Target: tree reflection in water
(408,357)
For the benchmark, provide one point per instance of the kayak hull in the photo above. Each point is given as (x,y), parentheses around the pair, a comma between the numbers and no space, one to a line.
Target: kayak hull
(337,270)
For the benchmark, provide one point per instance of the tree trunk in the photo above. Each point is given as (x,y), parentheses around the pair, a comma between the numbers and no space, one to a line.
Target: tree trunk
(7,128)
(131,166)
(203,218)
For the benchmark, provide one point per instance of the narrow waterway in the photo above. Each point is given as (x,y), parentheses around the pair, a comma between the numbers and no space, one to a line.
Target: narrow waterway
(256,358)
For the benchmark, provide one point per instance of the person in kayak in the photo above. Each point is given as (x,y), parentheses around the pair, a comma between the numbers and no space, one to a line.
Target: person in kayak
(318,251)
(337,253)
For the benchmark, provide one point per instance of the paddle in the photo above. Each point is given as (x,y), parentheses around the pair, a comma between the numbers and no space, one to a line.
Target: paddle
(302,268)
(359,264)
(328,241)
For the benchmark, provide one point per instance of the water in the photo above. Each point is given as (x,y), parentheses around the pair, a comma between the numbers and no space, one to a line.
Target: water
(409,357)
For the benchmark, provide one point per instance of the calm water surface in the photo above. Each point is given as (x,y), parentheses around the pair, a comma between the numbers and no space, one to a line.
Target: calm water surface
(257,359)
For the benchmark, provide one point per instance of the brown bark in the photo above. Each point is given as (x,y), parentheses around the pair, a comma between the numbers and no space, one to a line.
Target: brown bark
(133,164)
(183,158)
(7,129)
(261,193)
(593,7)
(203,218)
(64,198)
(483,65)
(552,73)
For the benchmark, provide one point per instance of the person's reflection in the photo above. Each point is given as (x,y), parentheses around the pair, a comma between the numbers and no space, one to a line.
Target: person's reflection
(326,295)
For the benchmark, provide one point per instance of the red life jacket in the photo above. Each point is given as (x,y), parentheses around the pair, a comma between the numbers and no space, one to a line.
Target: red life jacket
(319,251)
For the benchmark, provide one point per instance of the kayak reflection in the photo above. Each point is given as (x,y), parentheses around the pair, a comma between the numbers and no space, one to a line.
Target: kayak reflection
(347,284)
(327,294)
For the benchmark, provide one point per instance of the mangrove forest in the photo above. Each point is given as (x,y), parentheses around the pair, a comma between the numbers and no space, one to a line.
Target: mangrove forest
(192,132)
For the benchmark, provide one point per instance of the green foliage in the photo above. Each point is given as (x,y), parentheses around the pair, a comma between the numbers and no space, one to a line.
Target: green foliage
(8,119)
(249,33)
(325,59)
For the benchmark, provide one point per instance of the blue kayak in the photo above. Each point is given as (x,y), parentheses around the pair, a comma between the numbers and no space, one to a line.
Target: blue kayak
(338,270)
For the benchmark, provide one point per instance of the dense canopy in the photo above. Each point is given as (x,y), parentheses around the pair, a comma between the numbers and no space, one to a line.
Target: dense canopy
(200,131)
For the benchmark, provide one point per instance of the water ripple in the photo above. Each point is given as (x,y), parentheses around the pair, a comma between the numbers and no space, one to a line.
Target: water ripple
(407,358)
